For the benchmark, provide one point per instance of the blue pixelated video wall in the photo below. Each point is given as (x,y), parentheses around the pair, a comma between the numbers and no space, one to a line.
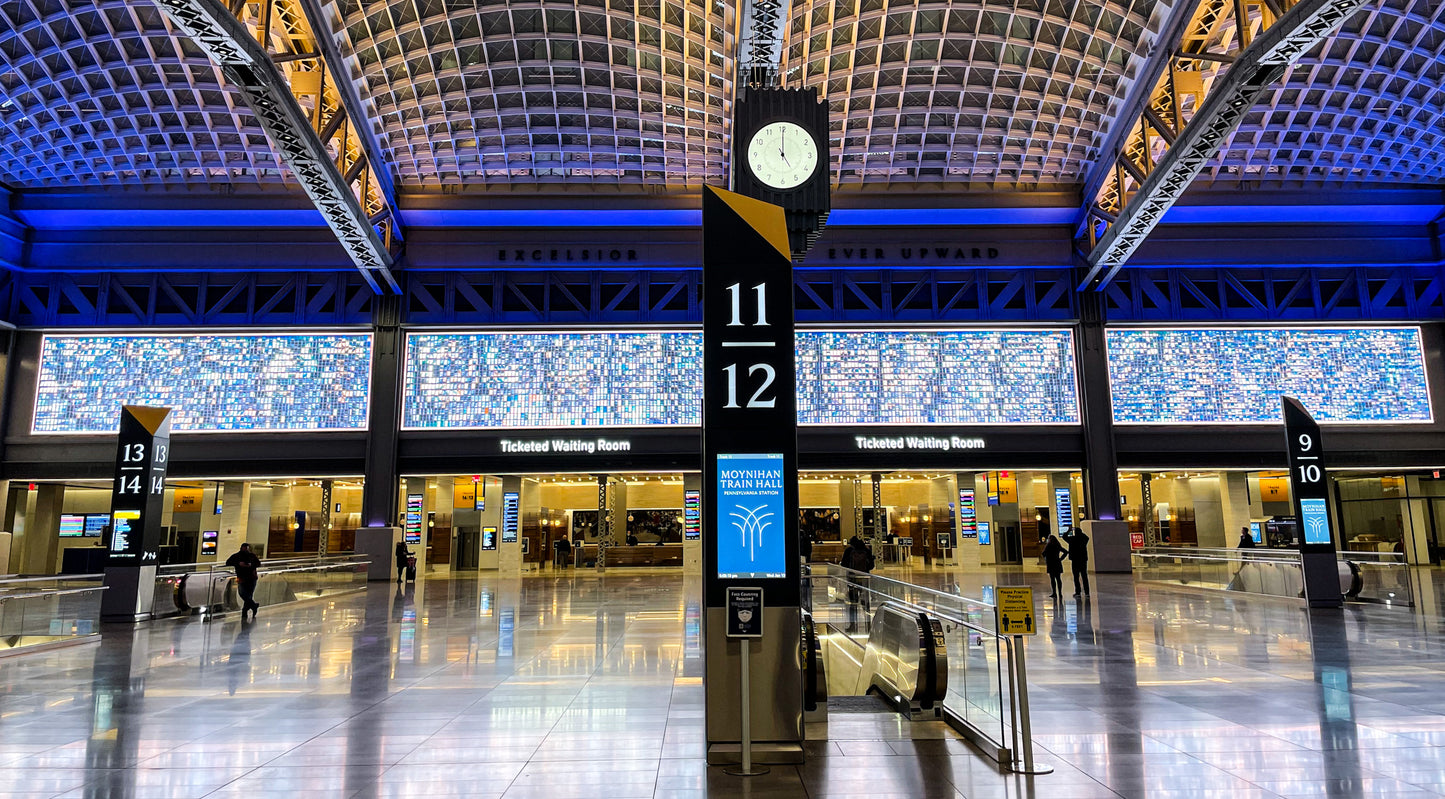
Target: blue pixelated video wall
(937,377)
(517,380)
(504,380)
(1237,375)
(260,382)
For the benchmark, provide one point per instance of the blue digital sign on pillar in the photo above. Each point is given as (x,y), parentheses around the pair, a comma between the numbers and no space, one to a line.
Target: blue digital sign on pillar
(750,517)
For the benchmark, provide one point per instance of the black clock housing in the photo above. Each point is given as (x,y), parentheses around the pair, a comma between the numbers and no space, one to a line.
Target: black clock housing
(806,205)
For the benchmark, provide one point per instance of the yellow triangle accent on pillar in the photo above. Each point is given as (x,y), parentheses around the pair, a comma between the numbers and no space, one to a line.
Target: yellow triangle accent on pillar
(767,219)
(150,418)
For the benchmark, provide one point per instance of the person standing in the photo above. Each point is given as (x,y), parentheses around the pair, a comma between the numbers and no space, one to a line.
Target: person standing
(1079,559)
(247,567)
(1054,565)
(1246,541)
(402,556)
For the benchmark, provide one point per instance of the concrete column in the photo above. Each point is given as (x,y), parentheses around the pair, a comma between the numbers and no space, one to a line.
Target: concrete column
(490,516)
(987,553)
(1207,495)
(1234,505)
(1416,519)
(442,505)
(17,498)
(692,550)
(942,495)
(618,506)
(42,539)
(509,555)
(234,524)
(848,507)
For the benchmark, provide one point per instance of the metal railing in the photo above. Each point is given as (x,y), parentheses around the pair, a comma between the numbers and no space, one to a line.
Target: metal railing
(1381,577)
(987,686)
(210,588)
(44,612)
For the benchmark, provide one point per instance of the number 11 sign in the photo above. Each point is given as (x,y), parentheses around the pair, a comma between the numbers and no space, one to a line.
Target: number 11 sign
(750,413)
(1309,492)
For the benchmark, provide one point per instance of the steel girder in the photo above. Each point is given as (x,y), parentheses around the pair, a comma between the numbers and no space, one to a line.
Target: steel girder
(1277,294)
(1260,63)
(299,140)
(760,43)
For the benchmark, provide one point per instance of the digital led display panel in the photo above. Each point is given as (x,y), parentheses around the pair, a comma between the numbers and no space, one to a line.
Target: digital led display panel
(414,507)
(72,525)
(945,377)
(750,522)
(512,380)
(215,383)
(511,503)
(634,379)
(95,524)
(967,516)
(1316,521)
(1370,375)
(692,515)
(1063,509)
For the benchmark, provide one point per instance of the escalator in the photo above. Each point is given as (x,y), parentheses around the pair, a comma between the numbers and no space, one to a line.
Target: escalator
(894,654)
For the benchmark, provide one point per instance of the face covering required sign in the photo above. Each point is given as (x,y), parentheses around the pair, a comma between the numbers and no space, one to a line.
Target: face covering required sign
(750,523)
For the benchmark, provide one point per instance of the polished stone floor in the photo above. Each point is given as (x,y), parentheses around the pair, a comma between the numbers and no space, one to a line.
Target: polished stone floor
(583,686)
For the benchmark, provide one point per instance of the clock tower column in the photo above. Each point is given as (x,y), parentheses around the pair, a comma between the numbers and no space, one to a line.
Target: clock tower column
(781,156)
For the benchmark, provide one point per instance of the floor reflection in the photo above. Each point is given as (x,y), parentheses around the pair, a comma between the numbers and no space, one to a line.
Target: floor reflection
(581,685)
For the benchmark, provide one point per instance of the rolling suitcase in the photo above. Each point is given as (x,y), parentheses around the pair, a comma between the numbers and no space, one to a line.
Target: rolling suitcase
(411,568)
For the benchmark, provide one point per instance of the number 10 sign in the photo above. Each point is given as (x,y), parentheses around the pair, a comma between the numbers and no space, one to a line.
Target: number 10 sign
(1309,492)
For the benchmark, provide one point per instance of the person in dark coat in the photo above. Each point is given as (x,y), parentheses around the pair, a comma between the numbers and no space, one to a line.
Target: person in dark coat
(1246,541)
(1054,564)
(247,567)
(402,553)
(1079,559)
(859,558)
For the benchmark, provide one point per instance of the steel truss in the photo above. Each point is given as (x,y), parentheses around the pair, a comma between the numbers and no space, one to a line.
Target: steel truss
(188,300)
(553,297)
(1229,56)
(1277,294)
(934,295)
(602,297)
(352,192)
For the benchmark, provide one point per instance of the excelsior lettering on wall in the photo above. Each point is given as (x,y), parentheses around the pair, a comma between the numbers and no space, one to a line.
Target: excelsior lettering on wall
(937,443)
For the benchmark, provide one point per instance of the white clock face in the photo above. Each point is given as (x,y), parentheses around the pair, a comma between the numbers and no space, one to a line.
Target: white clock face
(782,155)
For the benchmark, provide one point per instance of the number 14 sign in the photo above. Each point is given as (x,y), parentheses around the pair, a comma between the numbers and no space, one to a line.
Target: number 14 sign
(142,455)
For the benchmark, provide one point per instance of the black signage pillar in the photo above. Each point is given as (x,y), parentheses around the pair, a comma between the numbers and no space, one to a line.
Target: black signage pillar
(379,492)
(1309,493)
(134,537)
(750,474)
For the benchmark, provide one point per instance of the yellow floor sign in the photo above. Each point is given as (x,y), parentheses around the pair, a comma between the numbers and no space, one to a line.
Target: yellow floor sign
(1016,611)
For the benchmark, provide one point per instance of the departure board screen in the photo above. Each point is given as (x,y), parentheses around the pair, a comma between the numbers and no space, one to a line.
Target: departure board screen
(949,377)
(592,379)
(1236,375)
(215,382)
(627,379)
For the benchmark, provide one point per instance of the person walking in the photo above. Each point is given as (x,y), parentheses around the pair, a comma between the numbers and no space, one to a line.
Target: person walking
(1246,541)
(402,556)
(1054,564)
(563,554)
(1079,559)
(247,567)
